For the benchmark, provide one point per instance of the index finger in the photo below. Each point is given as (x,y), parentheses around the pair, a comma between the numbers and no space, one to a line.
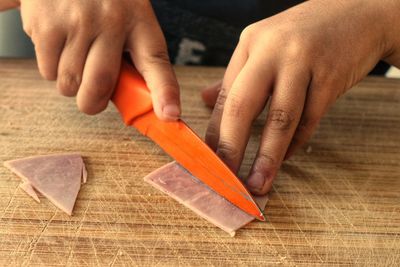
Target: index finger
(148,50)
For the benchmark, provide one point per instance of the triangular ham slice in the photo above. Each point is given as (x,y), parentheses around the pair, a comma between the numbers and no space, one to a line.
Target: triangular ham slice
(178,183)
(26,186)
(84,174)
(57,177)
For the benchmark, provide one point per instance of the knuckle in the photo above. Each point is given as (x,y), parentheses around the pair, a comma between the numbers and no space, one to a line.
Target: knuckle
(212,133)
(170,91)
(223,94)
(295,48)
(226,150)
(293,43)
(68,84)
(77,16)
(170,86)
(46,30)
(265,163)
(81,24)
(280,120)
(156,57)
(235,106)
(211,136)
(247,33)
(211,140)
(111,11)
(266,159)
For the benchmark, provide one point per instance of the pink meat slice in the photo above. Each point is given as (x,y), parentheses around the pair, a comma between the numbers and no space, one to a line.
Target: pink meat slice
(26,186)
(178,183)
(57,177)
(84,174)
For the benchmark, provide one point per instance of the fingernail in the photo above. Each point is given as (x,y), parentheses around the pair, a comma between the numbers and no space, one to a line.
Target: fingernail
(256,181)
(171,111)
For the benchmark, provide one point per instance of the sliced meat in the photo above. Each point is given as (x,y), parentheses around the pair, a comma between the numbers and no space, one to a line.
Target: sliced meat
(188,190)
(57,177)
(26,186)
(84,174)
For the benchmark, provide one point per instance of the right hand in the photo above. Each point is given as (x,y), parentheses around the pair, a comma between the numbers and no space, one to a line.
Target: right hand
(80,43)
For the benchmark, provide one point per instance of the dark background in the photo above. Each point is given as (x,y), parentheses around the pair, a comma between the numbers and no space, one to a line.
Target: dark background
(206,32)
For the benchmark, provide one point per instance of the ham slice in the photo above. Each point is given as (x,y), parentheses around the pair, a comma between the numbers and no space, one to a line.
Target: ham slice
(26,186)
(178,183)
(57,177)
(84,174)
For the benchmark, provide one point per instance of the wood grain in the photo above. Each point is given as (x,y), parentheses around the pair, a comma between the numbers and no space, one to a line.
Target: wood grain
(338,203)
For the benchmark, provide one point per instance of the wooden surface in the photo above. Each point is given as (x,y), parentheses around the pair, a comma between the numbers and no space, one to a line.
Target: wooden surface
(338,203)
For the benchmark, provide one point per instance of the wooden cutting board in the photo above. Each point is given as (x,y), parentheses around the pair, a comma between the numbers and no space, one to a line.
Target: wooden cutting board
(336,202)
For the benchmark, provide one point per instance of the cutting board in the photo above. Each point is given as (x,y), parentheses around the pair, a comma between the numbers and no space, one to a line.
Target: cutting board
(337,201)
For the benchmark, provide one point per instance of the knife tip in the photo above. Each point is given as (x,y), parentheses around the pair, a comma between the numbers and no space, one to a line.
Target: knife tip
(261,217)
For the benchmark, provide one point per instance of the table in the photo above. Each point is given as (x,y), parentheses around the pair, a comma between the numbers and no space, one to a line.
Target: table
(337,201)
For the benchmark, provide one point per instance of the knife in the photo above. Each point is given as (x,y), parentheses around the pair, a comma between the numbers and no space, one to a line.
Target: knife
(132,99)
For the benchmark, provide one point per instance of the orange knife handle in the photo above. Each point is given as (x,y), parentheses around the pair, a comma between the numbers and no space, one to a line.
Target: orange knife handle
(131,95)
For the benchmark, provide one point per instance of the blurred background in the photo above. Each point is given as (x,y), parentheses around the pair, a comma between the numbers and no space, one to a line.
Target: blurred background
(13,41)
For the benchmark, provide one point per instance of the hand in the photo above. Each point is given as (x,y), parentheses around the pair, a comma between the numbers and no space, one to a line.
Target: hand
(80,43)
(8,4)
(301,60)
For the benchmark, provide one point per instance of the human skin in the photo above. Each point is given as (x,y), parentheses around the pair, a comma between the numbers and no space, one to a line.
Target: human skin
(7,4)
(301,60)
(80,44)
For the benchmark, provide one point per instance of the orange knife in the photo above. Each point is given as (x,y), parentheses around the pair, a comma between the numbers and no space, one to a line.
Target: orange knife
(132,99)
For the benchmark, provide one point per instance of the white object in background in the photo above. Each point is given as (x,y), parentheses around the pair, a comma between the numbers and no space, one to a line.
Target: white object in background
(393,72)
(13,40)
(190,52)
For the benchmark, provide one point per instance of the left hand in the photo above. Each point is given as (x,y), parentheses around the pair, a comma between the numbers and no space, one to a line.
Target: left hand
(302,60)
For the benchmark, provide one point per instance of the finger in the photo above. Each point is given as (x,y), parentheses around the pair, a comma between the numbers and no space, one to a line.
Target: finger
(235,65)
(148,50)
(49,42)
(5,5)
(100,72)
(283,116)
(210,94)
(72,62)
(317,103)
(245,101)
